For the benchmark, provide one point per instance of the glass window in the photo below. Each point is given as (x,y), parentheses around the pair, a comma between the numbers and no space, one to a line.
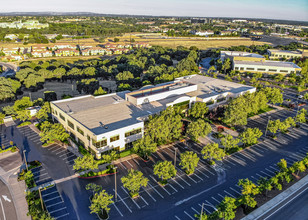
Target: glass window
(272,70)
(248,68)
(236,68)
(115,138)
(283,71)
(259,69)
(99,144)
(135,131)
(242,68)
(80,131)
(70,124)
(62,117)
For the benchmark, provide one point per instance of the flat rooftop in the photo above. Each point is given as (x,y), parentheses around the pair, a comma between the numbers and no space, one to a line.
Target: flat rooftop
(240,54)
(285,51)
(268,63)
(208,87)
(102,114)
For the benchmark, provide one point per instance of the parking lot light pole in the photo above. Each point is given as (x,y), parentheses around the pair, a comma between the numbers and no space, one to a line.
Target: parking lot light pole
(39,189)
(175,148)
(269,117)
(203,204)
(115,184)
(24,152)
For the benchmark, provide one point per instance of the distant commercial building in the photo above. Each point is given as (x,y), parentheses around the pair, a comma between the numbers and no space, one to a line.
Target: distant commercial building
(202,33)
(278,54)
(31,24)
(239,55)
(114,121)
(270,67)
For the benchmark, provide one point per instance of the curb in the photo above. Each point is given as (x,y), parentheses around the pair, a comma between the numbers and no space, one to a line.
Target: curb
(92,177)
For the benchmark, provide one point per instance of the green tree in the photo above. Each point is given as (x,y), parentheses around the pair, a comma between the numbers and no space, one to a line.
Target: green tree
(283,165)
(100,202)
(250,136)
(22,104)
(133,181)
(116,39)
(2,116)
(94,188)
(51,132)
(226,209)
(164,170)
(198,110)
(124,76)
(108,158)
(265,185)
(226,65)
(87,162)
(236,112)
(274,95)
(44,111)
(124,87)
(24,115)
(249,190)
(229,142)
(299,166)
(198,128)
(301,117)
(212,152)
(99,91)
(273,126)
(145,146)
(189,161)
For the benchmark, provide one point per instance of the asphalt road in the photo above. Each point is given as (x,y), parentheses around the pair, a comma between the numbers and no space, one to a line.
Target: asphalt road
(7,208)
(295,207)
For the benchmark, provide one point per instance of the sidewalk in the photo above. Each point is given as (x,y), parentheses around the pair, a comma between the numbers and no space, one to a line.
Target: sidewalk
(264,209)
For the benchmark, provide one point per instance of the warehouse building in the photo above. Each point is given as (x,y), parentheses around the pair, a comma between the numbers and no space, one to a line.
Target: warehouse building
(114,121)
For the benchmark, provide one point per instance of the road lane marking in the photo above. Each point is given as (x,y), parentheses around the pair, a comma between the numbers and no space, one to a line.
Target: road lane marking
(124,202)
(117,209)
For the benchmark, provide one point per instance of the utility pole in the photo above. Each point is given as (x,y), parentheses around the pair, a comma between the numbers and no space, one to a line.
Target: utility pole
(175,148)
(41,198)
(267,125)
(24,152)
(115,184)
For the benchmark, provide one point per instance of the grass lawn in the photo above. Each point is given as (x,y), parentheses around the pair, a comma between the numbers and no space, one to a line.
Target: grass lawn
(269,108)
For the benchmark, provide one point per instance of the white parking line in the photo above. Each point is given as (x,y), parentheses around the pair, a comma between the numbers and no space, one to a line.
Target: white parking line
(265,174)
(156,190)
(136,161)
(69,157)
(130,197)
(177,217)
(211,203)
(274,168)
(60,152)
(254,178)
(38,171)
(221,196)
(52,199)
(149,194)
(143,199)
(195,210)
(69,161)
(57,210)
(129,163)
(215,200)
(177,183)
(49,193)
(123,166)
(270,171)
(124,203)
(183,180)
(2,209)
(238,186)
(228,161)
(59,148)
(192,179)
(52,147)
(238,157)
(189,215)
(229,194)
(43,179)
(117,209)
(35,177)
(154,156)
(300,154)
(207,170)
(203,173)
(53,204)
(235,191)
(62,215)
(198,176)
(161,186)
(169,184)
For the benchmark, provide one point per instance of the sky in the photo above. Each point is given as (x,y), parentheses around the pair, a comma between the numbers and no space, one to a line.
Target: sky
(274,9)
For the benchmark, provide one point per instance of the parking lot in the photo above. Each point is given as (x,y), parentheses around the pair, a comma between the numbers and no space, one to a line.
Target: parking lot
(30,135)
(51,197)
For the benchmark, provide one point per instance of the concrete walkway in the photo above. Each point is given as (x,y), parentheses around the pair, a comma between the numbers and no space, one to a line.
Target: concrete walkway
(276,201)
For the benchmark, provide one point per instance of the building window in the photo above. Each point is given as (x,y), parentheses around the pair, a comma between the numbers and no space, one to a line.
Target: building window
(259,69)
(80,131)
(283,71)
(242,68)
(249,68)
(70,124)
(80,142)
(236,68)
(135,131)
(272,70)
(56,112)
(99,144)
(62,117)
(88,137)
(115,138)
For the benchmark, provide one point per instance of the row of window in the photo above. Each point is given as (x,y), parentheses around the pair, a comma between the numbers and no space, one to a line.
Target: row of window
(262,69)
(288,56)
(133,132)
